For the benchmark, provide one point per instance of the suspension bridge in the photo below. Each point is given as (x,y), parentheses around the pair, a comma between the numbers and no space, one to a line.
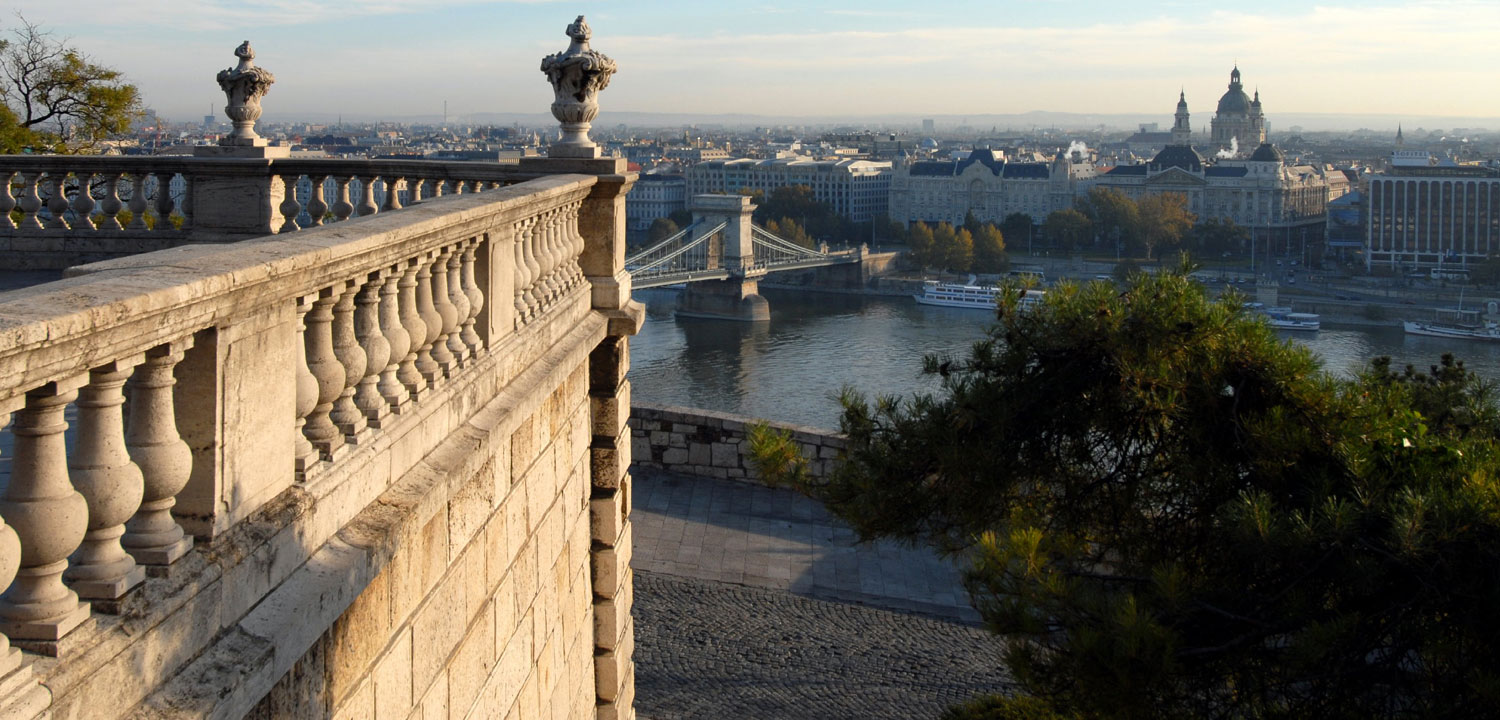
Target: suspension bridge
(701,251)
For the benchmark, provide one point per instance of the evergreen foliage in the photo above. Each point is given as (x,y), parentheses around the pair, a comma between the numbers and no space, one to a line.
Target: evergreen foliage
(1170,513)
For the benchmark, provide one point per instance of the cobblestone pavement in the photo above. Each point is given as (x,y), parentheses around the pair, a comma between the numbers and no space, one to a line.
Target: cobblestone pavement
(775,538)
(707,649)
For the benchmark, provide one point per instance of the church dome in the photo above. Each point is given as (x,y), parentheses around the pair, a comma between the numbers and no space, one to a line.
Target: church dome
(1267,153)
(1180,156)
(1235,101)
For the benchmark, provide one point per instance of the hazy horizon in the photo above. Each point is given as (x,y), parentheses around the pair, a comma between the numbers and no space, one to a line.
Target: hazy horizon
(816,60)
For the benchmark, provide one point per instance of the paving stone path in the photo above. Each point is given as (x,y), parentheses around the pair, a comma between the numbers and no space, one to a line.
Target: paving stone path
(707,649)
(754,602)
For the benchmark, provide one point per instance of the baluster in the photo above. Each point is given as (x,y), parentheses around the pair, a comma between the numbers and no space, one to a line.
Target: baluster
(10,554)
(521,270)
(426,358)
(307,395)
(413,191)
(111,204)
(49,517)
(137,204)
(83,203)
(475,186)
(409,373)
(164,202)
(459,300)
(433,189)
(452,187)
(367,204)
(316,206)
(187,203)
(547,257)
(324,365)
(153,536)
(397,339)
(109,481)
(346,348)
(7,203)
(290,206)
(392,194)
(476,300)
(442,300)
(57,202)
(377,350)
(533,267)
(31,202)
(342,208)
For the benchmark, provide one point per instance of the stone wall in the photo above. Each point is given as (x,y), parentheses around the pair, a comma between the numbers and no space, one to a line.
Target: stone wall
(465,555)
(714,444)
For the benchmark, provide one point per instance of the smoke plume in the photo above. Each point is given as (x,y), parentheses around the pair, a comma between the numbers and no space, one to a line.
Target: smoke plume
(1231,151)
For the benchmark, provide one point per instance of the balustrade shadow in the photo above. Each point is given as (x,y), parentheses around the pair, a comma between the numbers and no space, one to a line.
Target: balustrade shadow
(749,534)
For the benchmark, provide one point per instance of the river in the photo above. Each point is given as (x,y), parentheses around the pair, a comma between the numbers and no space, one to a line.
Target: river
(791,368)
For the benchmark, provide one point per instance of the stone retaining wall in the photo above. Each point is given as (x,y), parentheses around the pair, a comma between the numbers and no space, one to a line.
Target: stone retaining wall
(714,444)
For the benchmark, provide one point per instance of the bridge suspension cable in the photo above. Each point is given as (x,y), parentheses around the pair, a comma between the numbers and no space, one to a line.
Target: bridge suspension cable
(664,259)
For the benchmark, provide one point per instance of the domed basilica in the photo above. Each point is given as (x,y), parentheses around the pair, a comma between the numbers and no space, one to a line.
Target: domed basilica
(1239,122)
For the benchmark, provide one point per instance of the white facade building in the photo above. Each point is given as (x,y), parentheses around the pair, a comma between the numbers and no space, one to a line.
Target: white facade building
(858,190)
(654,196)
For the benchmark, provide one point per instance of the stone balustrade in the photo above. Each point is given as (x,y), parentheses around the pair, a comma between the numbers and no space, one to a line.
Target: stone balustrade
(208,381)
(78,209)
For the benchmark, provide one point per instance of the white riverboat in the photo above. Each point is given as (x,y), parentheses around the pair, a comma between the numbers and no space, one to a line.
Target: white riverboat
(1282,318)
(1456,323)
(978,297)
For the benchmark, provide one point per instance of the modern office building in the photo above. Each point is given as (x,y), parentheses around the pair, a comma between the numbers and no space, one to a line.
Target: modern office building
(1424,212)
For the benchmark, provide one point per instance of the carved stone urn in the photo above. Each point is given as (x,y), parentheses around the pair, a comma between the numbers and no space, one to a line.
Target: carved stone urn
(244,85)
(577,75)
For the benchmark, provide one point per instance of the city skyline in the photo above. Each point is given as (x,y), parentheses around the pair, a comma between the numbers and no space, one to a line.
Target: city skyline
(812,59)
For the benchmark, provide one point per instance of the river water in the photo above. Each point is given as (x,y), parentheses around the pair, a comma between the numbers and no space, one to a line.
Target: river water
(791,368)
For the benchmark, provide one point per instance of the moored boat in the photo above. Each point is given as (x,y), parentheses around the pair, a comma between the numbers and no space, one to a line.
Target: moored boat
(1455,323)
(978,297)
(1282,318)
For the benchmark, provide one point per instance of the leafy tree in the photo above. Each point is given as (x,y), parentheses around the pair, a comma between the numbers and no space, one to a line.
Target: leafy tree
(921,241)
(789,229)
(891,231)
(1170,513)
(989,250)
(682,218)
(57,99)
(1126,269)
(661,229)
(1164,221)
(1067,229)
(1112,214)
(952,249)
(1486,272)
(1016,226)
(1215,236)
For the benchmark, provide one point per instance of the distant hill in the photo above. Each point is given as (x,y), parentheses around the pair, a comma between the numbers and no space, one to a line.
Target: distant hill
(981,122)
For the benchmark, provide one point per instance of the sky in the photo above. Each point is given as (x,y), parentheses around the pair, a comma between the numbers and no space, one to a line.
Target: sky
(810,58)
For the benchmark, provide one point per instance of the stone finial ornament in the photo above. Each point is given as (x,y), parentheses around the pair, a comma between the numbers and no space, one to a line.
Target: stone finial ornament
(577,75)
(244,85)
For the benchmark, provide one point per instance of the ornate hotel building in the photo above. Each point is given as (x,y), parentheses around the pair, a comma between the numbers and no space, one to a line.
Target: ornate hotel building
(1261,191)
(987,186)
(1423,213)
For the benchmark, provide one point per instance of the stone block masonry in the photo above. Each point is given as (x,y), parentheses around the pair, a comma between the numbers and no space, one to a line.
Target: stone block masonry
(714,444)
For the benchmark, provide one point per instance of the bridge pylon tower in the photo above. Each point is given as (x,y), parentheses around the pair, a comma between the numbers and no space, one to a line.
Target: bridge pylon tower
(738,296)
